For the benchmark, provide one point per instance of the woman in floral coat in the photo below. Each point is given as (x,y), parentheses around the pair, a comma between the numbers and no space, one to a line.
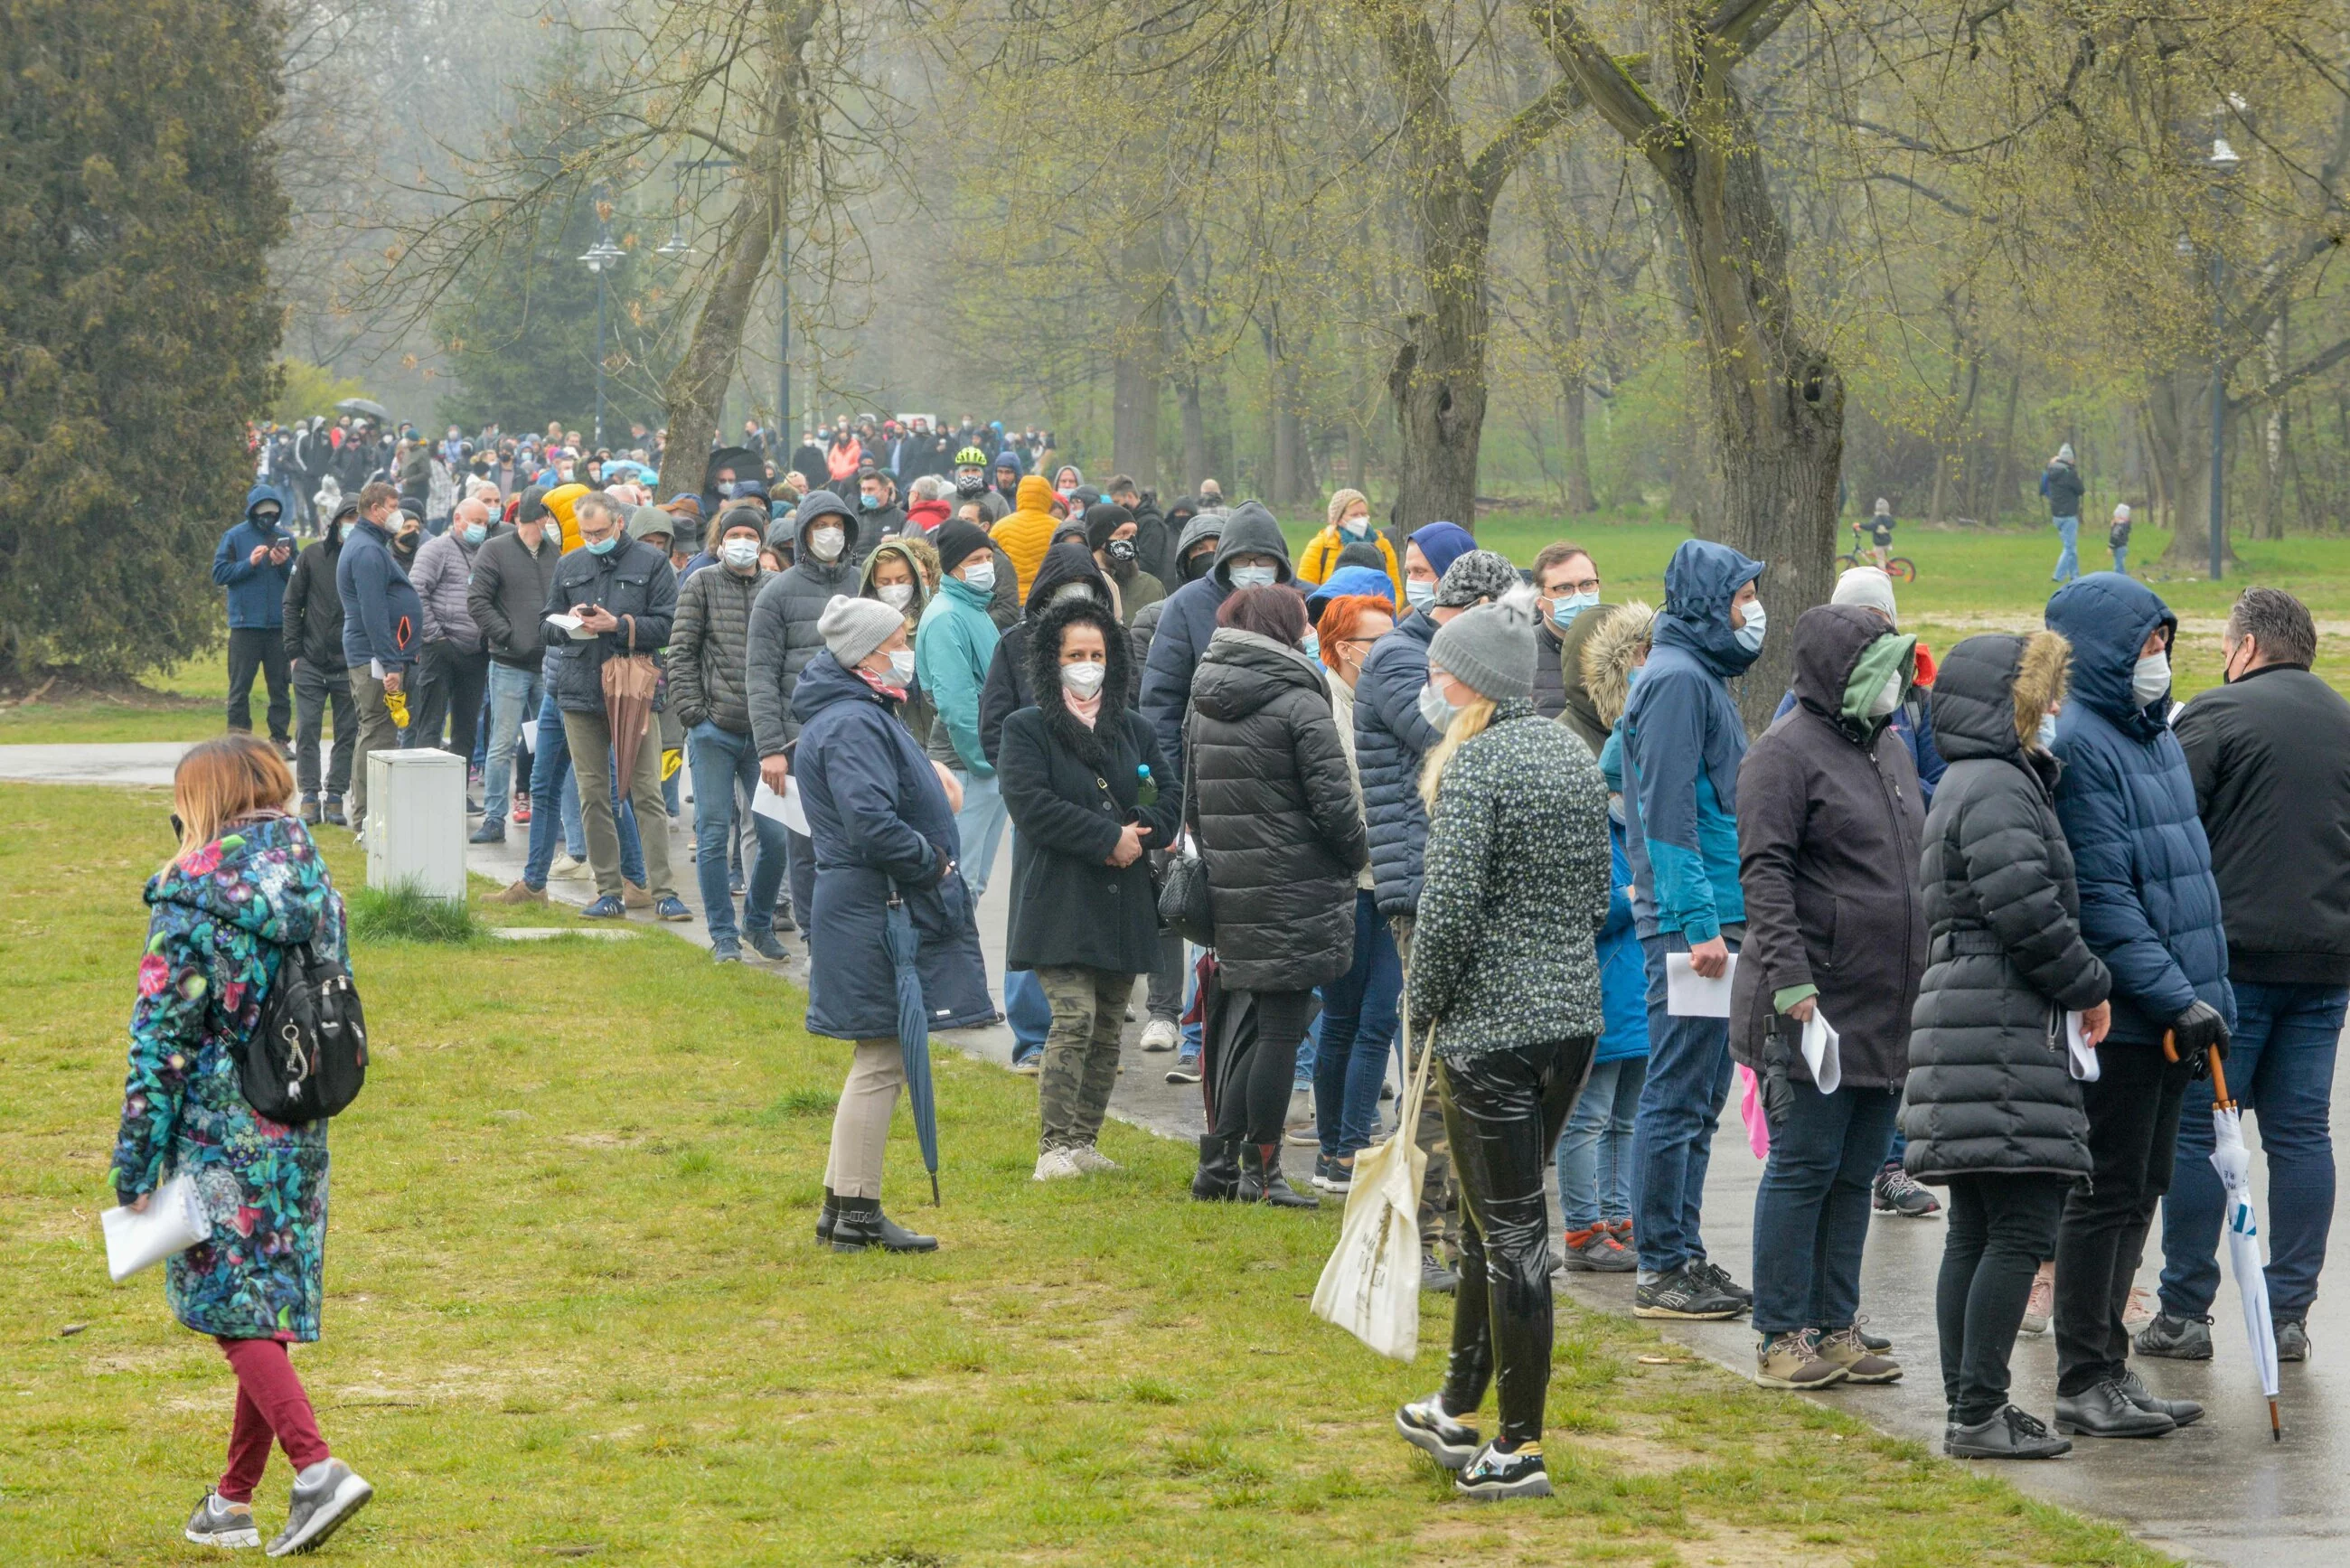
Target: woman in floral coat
(247,883)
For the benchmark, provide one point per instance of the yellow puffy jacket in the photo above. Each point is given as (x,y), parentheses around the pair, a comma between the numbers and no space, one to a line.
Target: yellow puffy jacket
(1026,532)
(559,502)
(1320,557)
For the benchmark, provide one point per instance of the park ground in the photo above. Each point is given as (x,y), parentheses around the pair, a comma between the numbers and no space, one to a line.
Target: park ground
(574,1312)
(1969,580)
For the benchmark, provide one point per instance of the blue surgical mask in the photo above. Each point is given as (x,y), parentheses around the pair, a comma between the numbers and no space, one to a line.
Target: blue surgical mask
(1254,577)
(1434,710)
(475,532)
(869,503)
(1750,635)
(1310,645)
(1563,611)
(604,546)
(1421,594)
(2045,737)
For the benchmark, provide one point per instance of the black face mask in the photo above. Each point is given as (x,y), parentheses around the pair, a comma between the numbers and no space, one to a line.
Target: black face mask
(1121,558)
(967,487)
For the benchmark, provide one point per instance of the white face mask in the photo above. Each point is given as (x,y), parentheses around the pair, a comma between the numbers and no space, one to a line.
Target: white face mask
(1253,577)
(824,543)
(1750,635)
(901,666)
(2046,736)
(981,576)
(2150,680)
(1434,710)
(1889,696)
(1356,527)
(741,554)
(1084,681)
(896,595)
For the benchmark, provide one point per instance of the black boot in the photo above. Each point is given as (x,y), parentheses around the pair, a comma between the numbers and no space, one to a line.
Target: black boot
(1218,1179)
(825,1218)
(859,1223)
(1262,1181)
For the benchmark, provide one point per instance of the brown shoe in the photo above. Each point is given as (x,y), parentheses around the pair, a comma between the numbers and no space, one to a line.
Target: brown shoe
(1794,1361)
(1861,1364)
(633,897)
(518,893)
(311,813)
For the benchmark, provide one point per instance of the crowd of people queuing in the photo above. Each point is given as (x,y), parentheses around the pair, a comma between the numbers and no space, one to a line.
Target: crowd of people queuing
(1433,796)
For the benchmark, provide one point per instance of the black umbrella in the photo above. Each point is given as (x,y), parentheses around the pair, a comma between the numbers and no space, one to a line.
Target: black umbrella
(905,945)
(367,406)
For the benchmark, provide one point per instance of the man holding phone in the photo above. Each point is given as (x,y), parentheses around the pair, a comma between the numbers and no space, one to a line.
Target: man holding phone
(253,563)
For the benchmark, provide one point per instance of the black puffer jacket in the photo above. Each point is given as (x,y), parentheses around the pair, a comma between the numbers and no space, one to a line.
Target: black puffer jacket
(1990,1091)
(1006,689)
(709,648)
(1276,813)
(314,605)
(781,637)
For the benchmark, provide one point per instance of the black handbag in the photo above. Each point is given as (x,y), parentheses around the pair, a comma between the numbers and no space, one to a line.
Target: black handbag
(306,1058)
(1186,905)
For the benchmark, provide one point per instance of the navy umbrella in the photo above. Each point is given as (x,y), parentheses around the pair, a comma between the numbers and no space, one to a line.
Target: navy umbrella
(905,945)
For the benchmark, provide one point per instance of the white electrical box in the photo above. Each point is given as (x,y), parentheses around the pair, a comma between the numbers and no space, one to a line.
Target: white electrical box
(416,821)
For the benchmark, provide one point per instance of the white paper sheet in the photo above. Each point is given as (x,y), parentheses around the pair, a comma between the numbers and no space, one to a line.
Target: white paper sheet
(1689,994)
(570,627)
(785,807)
(1823,1050)
(528,736)
(2079,1055)
(172,1222)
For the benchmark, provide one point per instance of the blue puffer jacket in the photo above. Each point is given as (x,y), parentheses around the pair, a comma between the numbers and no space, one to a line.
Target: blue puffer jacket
(1390,739)
(2149,905)
(880,820)
(1623,973)
(1683,740)
(256,594)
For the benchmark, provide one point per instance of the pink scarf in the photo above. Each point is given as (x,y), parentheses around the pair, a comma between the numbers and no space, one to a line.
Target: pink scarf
(1086,709)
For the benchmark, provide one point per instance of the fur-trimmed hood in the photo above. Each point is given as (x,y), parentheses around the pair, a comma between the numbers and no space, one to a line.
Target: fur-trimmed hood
(1043,654)
(1611,652)
(1991,690)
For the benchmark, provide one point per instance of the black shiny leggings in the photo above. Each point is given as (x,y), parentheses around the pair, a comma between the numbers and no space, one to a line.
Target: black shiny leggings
(1254,1078)
(1503,1113)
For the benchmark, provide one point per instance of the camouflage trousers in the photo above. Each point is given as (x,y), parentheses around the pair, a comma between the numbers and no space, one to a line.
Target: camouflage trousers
(1080,1065)
(1440,1197)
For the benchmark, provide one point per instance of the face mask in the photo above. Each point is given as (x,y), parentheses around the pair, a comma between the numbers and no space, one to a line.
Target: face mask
(2046,736)
(1434,710)
(1119,550)
(1310,645)
(981,576)
(824,543)
(1356,527)
(740,554)
(1084,681)
(1563,611)
(2150,680)
(728,487)
(1422,596)
(1889,696)
(1615,809)
(475,532)
(1750,635)
(1069,591)
(603,546)
(1254,577)
(896,595)
(869,503)
(969,485)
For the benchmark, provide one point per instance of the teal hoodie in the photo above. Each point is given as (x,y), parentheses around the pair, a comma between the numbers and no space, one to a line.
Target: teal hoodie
(952,649)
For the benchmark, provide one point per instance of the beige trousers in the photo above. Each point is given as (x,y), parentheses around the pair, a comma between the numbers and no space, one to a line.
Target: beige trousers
(860,1128)
(589,737)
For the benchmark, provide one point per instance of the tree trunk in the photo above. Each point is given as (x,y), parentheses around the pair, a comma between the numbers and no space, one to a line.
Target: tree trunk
(695,392)
(1566,326)
(1195,433)
(1139,352)
(2003,489)
(2181,406)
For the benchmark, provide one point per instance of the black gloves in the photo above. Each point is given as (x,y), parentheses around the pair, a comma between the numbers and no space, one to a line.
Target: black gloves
(2195,1033)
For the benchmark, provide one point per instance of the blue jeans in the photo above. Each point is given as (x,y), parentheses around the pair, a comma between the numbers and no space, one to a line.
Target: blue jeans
(2121,558)
(979,828)
(513,693)
(1309,1051)
(1672,1138)
(1594,1152)
(1811,1213)
(2068,559)
(1358,1029)
(1030,1015)
(2281,1067)
(554,806)
(721,759)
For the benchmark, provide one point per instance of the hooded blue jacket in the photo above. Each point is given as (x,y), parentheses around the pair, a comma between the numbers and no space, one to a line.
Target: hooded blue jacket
(1188,620)
(1683,740)
(2150,904)
(879,821)
(1391,739)
(383,617)
(256,595)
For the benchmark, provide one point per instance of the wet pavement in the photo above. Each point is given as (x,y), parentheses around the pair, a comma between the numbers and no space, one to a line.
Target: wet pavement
(2219,1492)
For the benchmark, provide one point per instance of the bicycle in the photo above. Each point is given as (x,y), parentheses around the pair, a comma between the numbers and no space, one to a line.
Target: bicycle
(1900,568)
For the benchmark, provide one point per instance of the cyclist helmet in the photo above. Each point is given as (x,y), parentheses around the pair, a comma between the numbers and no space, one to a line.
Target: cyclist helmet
(970,457)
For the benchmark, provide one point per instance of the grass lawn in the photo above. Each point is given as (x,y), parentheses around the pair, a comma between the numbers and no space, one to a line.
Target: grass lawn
(181,704)
(574,1312)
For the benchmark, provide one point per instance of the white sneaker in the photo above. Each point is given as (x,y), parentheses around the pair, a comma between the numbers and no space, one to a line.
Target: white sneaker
(1056,1165)
(1086,1158)
(1160,1034)
(568,867)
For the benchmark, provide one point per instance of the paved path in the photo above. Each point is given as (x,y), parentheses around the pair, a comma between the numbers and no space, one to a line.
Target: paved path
(2220,1493)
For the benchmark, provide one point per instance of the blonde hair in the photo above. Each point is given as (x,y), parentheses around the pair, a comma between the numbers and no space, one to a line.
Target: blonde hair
(221,780)
(1466,726)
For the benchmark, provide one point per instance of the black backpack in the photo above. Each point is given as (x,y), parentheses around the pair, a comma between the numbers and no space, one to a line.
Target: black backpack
(307,1057)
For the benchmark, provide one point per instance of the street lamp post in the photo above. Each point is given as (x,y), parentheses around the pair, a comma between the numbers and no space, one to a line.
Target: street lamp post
(2223,163)
(601,258)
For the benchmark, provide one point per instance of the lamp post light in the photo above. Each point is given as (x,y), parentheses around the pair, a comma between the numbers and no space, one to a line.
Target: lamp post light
(2223,163)
(601,258)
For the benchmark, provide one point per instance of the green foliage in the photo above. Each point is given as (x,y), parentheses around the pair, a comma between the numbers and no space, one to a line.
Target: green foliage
(406,913)
(306,389)
(138,205)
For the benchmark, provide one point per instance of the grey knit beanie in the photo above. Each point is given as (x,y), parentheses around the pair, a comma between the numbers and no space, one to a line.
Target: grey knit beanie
(853,628)
(1490,649)
(1475,574)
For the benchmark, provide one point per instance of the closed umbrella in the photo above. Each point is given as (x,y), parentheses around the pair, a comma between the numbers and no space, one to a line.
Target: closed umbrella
(629,682)
(905,945)
(2233,1161)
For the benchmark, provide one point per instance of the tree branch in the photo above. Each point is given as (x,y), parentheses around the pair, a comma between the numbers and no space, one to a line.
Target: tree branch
(1605,80)
(1526,131)
(2291,378)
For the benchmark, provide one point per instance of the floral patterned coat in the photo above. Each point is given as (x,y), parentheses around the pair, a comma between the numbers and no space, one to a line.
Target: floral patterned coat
(220,925)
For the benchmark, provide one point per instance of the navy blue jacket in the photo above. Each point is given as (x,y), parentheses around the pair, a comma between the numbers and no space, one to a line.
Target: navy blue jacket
(1390,739)
(1188,620)
(383,617)
(2149,905)
(256,595)
(635,583)
(879,820)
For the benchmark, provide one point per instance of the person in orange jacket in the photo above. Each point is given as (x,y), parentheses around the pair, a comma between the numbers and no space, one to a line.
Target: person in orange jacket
(1025,532)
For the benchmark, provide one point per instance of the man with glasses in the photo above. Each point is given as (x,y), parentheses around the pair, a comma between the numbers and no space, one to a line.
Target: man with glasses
(1567,584)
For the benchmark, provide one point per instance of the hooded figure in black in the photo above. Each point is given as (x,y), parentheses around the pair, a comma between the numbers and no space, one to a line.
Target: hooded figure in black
(1007,688)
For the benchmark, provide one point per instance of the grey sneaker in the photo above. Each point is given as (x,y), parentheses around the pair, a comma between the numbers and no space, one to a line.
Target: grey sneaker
(1720,1279)
(2292,1339)
(1793,1361)
(219,1523)
(1088,1159)
(2176,1338)
(324,1495)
